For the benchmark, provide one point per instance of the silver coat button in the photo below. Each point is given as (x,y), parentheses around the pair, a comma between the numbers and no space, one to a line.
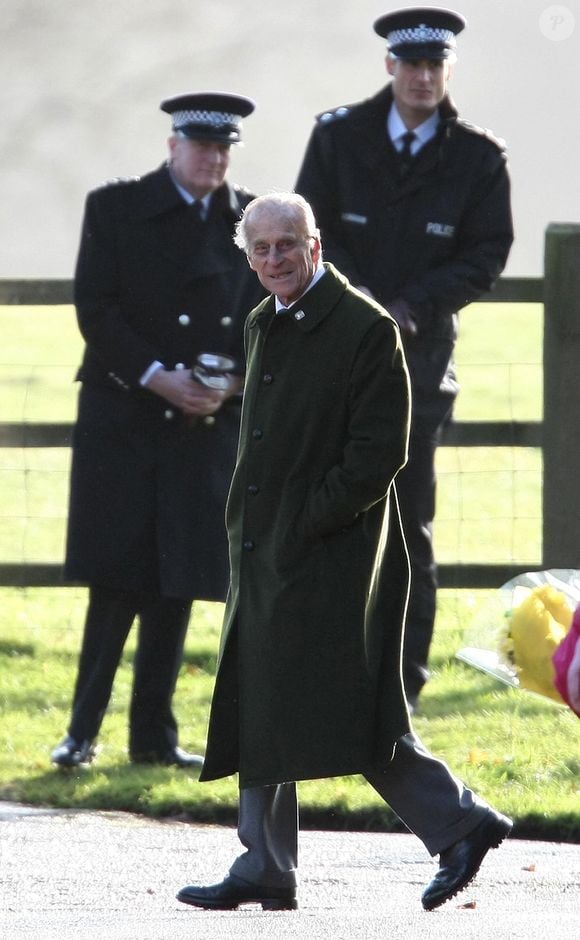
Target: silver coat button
(179,366)
(168,415)
(184,319)
(209,420)
(226,321)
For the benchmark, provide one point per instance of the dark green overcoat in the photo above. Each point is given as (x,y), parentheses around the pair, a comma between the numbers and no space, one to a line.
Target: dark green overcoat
(309,681)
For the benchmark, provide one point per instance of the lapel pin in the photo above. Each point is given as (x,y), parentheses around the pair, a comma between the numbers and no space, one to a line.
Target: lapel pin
(299,315)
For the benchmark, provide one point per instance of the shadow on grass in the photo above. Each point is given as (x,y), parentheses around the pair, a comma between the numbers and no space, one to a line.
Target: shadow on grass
(565,828)
(142,790)
(125,788)
(204,660)
(464,702)
(475,694)
(17,649)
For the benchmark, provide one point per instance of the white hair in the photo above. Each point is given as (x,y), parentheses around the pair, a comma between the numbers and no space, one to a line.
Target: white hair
(288,206)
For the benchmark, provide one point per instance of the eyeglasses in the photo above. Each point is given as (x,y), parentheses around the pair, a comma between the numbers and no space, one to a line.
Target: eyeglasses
(284,246)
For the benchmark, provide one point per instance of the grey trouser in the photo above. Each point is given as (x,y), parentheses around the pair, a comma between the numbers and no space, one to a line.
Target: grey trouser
(421,789)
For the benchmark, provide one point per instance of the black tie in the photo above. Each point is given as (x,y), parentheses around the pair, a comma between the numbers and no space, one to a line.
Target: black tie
(195,211)
(405,155)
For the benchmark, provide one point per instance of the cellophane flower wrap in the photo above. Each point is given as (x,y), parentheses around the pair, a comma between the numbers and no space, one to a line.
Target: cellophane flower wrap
(516,635)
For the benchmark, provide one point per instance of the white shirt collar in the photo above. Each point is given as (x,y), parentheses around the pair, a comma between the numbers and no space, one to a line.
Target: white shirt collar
(205,201)
(424,132)
(320,270)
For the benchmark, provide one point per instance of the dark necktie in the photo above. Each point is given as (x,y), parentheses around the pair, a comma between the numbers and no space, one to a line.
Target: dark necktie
(195,210)
(405,155)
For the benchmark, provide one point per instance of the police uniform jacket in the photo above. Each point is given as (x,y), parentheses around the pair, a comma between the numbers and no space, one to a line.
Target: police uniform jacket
(437,237)
(148,486)
(309,682)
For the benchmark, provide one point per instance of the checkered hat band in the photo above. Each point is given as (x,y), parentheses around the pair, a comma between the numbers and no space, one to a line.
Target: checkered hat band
(421,34)
(209,118)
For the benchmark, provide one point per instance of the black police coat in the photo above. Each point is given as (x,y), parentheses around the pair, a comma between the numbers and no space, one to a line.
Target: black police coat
(436,238)
(148,486)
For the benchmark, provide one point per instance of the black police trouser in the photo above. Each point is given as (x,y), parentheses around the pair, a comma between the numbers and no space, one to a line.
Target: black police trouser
(416,488)
(162,629)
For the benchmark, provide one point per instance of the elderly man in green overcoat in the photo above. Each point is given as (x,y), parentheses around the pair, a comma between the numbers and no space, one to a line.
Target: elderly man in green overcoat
(309,679)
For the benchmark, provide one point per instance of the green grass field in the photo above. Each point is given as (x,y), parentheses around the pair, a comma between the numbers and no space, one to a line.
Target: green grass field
(516,749)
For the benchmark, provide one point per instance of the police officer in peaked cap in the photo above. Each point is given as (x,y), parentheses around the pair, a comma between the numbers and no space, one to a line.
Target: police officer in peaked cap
(158,282)
(413,203)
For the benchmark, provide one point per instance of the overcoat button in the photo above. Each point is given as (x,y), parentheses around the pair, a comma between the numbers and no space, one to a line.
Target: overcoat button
(267,379)
(179,366)
(257,434)
(253,489)
(209,420)
(226,321)
(184,319)
(248,545)
(168,415)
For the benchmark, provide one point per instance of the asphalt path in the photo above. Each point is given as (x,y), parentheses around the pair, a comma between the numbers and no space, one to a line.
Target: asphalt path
(85,875)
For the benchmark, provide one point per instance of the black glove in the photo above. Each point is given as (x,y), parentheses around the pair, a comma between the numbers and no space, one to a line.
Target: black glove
(403,314)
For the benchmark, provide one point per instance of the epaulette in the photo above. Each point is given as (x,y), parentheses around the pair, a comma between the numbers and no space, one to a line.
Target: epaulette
(482,132)
(118,180)
(335,115)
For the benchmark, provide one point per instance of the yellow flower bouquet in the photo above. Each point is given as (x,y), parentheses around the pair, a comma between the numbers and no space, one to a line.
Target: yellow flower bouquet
(515,636)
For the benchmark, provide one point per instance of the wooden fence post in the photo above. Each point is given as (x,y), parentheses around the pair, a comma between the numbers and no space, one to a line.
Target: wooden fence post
(561,428)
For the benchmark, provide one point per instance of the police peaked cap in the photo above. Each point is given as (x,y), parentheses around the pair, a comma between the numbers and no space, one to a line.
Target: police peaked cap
(420,32)
(209,115)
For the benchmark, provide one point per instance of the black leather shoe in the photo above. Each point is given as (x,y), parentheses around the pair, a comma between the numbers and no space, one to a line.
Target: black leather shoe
(176,757)
(71,753)
(232,891)
(459,864)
